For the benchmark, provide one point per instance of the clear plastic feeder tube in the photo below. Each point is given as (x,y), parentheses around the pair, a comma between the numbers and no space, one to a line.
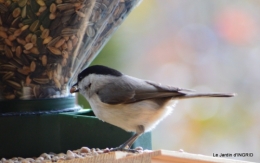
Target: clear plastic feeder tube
(44,44)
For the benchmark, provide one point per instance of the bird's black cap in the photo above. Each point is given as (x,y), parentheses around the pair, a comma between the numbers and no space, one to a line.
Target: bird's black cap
(99,70)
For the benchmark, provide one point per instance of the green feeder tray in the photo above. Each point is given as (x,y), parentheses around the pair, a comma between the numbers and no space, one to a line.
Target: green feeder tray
(30,136)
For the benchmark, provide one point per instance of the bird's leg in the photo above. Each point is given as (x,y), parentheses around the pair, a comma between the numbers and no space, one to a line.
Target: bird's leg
(129,142)
(139,132)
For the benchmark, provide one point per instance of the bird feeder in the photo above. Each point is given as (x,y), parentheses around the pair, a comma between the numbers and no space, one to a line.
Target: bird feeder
(44,44)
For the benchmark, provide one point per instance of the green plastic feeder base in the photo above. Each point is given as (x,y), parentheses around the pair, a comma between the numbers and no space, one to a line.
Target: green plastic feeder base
(30,136)
(37,106)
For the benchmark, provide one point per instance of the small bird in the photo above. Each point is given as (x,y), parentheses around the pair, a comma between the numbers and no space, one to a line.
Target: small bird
(132,104)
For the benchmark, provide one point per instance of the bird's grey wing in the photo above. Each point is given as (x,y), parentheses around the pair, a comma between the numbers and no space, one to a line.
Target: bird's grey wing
(156,90)
(133,90)
(116,93)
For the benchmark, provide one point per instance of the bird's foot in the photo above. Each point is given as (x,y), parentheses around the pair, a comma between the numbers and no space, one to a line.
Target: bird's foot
(125,149)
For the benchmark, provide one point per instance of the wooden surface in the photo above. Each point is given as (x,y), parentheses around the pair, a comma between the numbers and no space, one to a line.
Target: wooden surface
(160,156)
(183,157)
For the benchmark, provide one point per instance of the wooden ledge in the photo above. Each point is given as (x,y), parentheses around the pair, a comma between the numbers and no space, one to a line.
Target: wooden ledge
(159,156)
(166,156)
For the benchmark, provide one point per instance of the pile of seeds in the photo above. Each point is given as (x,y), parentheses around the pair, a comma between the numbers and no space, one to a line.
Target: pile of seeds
(45,43)
(52,157)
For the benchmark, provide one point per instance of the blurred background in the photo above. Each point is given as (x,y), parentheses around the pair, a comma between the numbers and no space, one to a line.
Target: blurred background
(202,45)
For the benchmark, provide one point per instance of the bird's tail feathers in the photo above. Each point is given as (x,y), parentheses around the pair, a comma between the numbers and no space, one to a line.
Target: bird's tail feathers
(196,95)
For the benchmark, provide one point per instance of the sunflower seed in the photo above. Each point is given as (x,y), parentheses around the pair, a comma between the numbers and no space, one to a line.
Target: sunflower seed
(68,32)
(3,8)
(17,60)
(64,6)
(22,3)
(16,12)
(8,52)
(23,13)
(8,67)
(41,80)
(8,75)
(14,84)
(69,12)
(52,42)
(34,26)
(3,34)
(16,21)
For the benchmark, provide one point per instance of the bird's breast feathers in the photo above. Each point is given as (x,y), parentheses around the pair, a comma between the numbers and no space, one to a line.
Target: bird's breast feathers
(129,116)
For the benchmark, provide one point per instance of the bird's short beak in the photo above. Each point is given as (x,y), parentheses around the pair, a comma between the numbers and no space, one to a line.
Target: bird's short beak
(74,88)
